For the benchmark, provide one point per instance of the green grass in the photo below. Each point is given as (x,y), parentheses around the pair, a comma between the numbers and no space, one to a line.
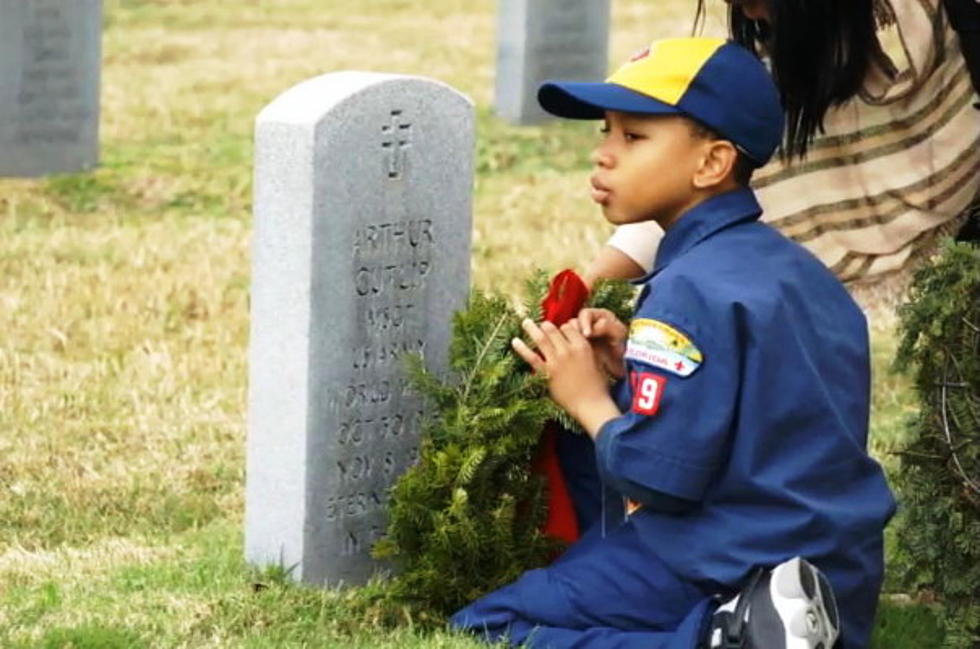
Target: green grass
(907,625)
(124,305)
(186,589)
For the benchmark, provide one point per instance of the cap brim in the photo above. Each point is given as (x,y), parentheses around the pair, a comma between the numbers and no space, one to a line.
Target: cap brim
(589,100)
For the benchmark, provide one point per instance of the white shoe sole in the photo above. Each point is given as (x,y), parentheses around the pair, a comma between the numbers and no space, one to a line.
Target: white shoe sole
(805,603)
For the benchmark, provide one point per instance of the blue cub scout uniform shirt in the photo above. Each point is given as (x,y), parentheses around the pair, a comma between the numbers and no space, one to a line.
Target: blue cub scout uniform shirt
(748,397)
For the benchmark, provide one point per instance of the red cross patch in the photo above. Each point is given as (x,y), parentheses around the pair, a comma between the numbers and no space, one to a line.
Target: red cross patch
(648,388)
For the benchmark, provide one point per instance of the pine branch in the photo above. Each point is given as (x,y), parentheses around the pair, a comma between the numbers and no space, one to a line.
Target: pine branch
(939,481)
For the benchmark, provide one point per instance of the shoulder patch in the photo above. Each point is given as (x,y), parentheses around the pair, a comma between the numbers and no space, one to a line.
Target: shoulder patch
(658,344)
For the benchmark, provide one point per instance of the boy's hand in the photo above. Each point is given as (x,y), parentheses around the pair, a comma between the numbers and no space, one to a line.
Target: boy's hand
(575,379)
(608,337)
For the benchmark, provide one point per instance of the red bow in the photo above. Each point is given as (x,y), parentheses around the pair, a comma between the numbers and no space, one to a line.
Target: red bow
(566,297)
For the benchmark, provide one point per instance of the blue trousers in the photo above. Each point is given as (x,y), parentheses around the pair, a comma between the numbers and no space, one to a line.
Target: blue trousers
(605,592)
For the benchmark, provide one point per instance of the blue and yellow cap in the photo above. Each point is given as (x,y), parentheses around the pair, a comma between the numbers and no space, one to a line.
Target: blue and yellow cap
(716,82)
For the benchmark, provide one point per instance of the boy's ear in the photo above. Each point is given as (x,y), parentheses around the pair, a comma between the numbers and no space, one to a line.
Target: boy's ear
(717,164)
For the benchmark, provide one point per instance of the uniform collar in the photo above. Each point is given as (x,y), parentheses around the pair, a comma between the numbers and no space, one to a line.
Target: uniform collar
(701,222)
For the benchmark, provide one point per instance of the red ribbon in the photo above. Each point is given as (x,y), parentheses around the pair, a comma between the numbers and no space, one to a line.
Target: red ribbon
(566,297)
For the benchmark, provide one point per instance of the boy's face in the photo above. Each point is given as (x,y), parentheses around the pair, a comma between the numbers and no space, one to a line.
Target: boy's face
(645,166)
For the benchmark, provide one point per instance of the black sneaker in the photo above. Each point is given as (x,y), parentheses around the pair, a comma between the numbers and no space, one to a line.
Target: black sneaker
(788,607)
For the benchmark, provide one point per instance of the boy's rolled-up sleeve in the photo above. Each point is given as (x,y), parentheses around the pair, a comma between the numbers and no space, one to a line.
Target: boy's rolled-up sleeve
(679,401)
(638,241)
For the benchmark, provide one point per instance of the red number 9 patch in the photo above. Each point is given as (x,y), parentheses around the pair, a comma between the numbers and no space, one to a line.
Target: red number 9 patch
(648,388)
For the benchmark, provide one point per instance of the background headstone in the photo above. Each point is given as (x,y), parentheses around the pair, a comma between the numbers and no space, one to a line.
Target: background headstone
(539,40)
(361,252)
(50,60)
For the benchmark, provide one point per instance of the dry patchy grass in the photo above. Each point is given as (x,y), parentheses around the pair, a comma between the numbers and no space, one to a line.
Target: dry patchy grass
(121,375)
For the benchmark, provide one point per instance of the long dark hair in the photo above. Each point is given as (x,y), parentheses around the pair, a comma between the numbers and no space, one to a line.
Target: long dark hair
(820,51)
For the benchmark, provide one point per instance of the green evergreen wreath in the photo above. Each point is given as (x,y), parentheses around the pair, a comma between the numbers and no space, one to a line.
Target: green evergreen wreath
(466,518)
(939,482)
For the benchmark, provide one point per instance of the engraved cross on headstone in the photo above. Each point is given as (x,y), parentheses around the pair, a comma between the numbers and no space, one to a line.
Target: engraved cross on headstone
(395,143)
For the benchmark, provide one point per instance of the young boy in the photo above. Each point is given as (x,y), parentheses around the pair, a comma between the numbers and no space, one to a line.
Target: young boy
(736,441)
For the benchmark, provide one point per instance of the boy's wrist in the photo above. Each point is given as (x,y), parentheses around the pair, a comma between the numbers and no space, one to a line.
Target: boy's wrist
(593,413)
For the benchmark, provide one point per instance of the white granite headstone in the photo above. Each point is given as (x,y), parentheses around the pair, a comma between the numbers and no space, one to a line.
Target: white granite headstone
(50,60)
(361,252)
(538,40)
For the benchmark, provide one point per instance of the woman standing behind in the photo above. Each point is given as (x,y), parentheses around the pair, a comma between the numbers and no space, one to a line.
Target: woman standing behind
(881,155)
